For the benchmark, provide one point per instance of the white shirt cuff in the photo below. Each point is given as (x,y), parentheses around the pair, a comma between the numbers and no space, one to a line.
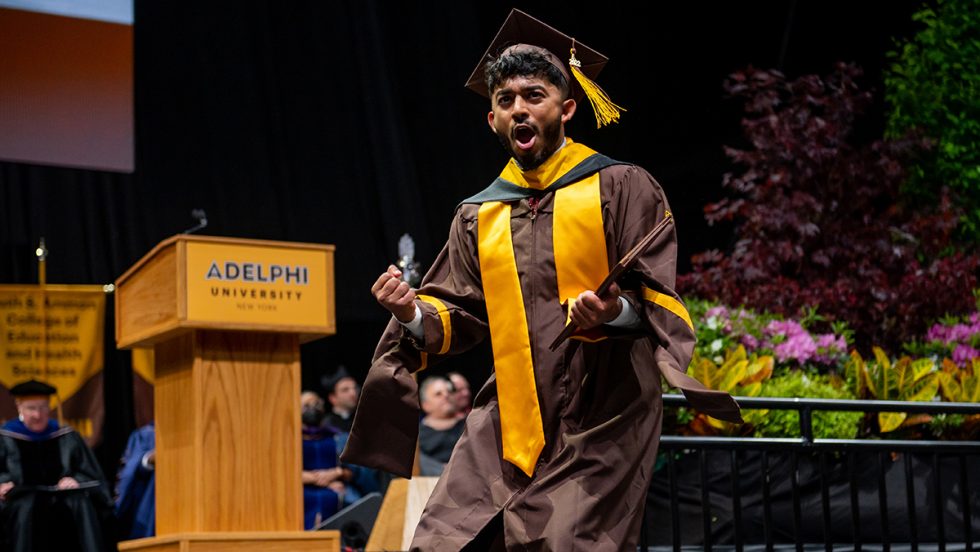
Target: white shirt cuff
(628,318)
(145,462)
(415,326)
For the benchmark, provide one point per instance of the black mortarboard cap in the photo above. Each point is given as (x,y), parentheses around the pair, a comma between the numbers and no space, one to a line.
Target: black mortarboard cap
(32,388)
(520,30)
(330,381)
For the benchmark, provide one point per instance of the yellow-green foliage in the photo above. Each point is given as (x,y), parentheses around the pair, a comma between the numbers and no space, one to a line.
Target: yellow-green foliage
(903,380)
(739,375)
(960,384)
(826,424)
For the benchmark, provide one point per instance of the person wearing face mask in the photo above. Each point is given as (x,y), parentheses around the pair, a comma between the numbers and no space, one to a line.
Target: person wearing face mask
(325,482)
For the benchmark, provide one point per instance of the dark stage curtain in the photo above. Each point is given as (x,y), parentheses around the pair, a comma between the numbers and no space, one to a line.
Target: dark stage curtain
(346,122)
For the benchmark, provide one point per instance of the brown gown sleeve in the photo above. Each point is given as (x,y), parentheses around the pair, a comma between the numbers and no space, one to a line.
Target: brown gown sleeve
(640,205)
(386,423)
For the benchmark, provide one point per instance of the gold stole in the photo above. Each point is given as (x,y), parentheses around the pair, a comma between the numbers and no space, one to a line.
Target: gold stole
(581,264)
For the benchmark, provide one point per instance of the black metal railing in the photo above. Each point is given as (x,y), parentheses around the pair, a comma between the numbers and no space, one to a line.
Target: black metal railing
(754,509)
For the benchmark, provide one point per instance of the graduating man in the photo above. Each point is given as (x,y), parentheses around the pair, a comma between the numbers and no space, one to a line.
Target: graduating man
(559,447)
(52,492)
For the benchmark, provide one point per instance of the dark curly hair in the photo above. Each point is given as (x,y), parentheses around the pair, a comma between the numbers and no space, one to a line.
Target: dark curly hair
(524,64)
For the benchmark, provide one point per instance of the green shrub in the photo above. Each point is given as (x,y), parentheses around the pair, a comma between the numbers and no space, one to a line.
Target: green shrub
(933,89)
(826,425)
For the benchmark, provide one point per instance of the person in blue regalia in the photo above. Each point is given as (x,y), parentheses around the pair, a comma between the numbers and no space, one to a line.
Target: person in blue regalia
(323,479)
(328,485)
(135,486)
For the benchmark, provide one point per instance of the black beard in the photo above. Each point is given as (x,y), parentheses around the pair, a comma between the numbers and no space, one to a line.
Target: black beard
(550,134)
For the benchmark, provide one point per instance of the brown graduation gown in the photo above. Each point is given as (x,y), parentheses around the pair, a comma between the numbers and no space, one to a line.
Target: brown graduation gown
(600,402)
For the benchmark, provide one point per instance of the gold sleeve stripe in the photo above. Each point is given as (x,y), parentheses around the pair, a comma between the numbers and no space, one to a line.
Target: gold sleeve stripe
(443,312)
(669,303)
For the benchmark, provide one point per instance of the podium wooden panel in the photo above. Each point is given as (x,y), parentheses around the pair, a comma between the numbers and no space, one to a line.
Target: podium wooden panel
(226,335)
(153,297)
(232,542)
(400,513)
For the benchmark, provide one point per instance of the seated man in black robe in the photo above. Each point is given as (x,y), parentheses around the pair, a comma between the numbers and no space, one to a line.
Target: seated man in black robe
(52,493)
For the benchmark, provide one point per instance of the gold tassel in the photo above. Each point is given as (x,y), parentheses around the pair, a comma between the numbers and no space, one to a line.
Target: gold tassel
(606,112)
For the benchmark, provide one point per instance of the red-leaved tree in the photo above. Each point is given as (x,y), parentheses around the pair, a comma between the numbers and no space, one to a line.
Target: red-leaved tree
(819,220)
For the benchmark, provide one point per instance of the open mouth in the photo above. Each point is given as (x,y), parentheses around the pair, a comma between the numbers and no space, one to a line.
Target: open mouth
(524,136)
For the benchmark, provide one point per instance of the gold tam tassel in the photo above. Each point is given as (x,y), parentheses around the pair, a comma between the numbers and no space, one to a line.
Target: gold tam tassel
(606,112)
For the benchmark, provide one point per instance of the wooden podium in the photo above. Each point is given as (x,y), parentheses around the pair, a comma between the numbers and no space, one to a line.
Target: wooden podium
(225,317)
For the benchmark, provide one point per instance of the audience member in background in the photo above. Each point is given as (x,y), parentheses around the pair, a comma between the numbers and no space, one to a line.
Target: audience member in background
(327,485)
(52,493)
(441,426)
(464,398)
(135,485)
(323,479)
(342,392)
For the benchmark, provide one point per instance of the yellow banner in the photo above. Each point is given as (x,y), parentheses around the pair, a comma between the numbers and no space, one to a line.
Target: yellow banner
(143,363)
(55,334)
(256,284)
(51,333)
(143,381)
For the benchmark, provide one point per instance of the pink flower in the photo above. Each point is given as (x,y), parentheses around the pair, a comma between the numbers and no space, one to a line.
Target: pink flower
(825,341)
(937,332)
(750,342)
(719,312)
(742,314)
(829,347)
(964,354)
(959,333)
(799,347)
(787,328)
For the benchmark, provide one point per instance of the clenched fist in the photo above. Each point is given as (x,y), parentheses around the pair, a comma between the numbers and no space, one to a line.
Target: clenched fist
(395,295)
(590,310)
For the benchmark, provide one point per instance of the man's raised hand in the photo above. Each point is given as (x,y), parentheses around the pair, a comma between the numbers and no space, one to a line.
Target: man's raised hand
(395,295)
